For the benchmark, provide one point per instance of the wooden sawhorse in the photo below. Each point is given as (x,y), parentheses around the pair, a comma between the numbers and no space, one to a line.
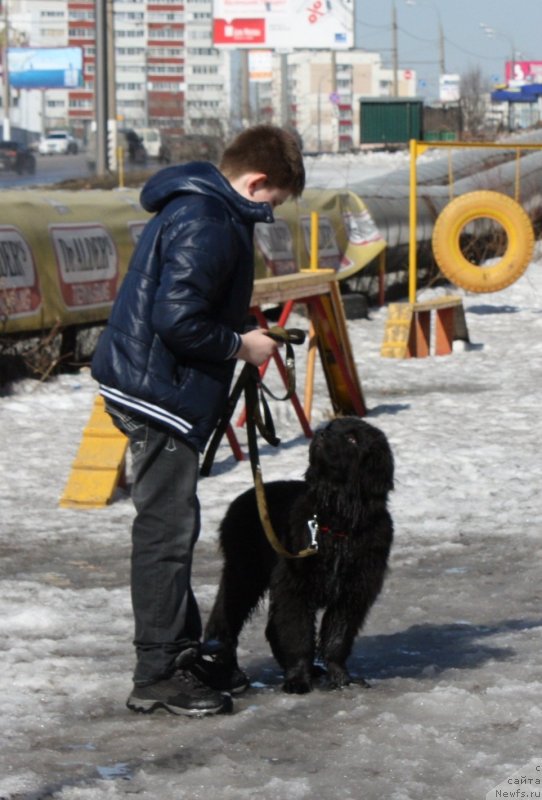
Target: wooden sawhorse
(319,291)
(408,327)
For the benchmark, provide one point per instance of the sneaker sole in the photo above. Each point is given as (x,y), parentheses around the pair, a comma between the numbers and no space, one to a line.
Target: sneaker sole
(150,706)
(239,688)
(235,690)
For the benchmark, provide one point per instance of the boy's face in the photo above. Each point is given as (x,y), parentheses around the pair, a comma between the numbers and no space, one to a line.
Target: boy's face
(268,194)
(255,186)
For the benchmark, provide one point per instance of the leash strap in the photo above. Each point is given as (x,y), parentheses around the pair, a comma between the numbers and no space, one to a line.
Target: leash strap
(259,419)
(255,400)
(249,373)
(224,421)
(261,500)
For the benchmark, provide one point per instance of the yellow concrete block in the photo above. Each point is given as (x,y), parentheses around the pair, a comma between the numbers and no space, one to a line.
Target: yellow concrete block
(90,488)
(101,452)
(99,463)
(397,331)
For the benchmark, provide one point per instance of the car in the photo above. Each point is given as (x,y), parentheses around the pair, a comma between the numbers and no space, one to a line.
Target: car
(58,143)
(17,157)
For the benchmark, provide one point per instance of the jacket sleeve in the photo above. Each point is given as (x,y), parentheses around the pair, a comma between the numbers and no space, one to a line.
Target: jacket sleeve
(198,262)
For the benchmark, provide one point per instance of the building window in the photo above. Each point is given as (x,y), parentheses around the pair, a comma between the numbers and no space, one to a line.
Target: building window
(83,104)
(164,52)
(204,70)
(81,33)
(130,33)
(130,51)
(129,16)
(81,15)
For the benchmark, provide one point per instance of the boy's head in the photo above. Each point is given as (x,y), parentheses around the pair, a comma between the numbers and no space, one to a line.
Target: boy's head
(269,152)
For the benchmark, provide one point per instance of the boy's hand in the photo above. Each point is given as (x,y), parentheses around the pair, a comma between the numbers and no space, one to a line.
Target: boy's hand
(256,347)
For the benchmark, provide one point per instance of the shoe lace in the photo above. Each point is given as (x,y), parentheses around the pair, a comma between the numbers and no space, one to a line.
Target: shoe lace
(186,677)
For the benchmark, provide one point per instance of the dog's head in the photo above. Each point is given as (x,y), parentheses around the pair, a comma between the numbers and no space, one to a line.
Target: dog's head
(350,463)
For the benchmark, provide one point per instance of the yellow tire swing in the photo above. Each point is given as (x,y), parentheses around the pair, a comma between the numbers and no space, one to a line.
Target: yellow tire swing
(483,205)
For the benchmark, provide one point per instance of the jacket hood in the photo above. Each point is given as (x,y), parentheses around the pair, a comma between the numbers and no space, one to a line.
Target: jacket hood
(199,177)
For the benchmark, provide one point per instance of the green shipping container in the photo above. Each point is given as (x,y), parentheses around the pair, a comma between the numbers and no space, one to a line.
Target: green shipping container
(390,120)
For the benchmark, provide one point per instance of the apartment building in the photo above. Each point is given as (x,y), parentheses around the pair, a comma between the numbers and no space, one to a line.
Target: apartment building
(165,73)
(163,70)
(322,94)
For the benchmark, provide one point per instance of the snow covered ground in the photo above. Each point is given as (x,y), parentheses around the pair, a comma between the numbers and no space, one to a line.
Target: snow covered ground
(452,648)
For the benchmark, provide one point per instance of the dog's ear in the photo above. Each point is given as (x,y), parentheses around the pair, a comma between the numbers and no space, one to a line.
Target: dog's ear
(377,467)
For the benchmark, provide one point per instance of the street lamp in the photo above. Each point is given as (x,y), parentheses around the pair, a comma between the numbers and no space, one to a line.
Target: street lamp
(491,33)
(319,109)
(6,130)
(442,57)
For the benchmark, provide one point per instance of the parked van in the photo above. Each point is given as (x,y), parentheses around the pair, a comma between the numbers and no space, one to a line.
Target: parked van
(152,141)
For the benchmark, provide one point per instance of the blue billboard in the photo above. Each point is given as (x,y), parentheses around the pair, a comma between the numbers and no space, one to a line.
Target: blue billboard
(45,67)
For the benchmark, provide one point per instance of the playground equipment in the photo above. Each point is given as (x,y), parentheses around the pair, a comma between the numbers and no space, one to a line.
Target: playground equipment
(408,326)
(454,168)
(483,205)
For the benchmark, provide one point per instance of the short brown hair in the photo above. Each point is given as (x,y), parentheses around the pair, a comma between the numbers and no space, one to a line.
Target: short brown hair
(268,149)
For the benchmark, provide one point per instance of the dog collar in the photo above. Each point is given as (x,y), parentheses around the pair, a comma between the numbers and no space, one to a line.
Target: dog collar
(314,527)
(338,534)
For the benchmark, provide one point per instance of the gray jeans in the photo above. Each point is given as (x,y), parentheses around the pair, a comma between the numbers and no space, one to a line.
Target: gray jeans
(164,533)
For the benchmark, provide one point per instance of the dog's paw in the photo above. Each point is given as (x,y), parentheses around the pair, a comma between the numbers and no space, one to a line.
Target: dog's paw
(337,677)
(341,683)
(296,686)
(298,680)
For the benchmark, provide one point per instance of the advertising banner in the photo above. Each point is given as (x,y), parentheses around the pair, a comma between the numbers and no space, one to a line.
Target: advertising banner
(449,88)
(260,66)
(45,67)
(64,254)
(348,238)
(518,73)
(284,24)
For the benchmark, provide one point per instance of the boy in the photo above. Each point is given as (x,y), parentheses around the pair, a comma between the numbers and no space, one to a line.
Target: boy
(165,363)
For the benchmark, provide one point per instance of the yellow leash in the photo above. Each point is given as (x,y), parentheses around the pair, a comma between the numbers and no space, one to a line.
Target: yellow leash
(254,402)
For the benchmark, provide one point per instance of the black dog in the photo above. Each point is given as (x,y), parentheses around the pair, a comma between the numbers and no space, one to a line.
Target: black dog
(345,492)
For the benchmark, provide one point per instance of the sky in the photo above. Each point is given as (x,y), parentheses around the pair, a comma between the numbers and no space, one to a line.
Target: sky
(451,649)
(466,45)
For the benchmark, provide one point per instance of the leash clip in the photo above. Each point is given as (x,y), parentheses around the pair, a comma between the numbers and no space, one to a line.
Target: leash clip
(313,530)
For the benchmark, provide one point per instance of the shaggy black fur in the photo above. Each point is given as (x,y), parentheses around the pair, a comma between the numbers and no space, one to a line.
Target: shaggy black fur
(346,486)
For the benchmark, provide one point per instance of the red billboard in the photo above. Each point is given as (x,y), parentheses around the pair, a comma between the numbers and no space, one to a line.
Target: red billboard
(284,24)
(518,73)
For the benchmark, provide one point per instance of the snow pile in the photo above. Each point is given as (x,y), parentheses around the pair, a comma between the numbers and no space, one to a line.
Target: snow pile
(452,647)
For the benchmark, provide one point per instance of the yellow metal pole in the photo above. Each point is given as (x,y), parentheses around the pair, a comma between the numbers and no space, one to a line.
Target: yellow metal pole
(413,224)
(517,176)
(314,241)
(120,161)
(309,376)
(382,278)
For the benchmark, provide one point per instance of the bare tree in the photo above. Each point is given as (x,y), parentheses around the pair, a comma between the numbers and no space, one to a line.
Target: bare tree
(474,102)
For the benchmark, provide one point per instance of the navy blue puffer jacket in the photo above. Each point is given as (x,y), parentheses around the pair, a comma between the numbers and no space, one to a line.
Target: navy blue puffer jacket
(168,349)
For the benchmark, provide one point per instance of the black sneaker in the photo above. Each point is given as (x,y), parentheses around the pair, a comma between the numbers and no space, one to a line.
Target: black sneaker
(181,694)
(213,671)
(219,677)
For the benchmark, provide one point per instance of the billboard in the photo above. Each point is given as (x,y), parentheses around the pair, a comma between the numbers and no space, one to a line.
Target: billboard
(45,67)
(449,88)
(518,73)
(260,66)
(284,24)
